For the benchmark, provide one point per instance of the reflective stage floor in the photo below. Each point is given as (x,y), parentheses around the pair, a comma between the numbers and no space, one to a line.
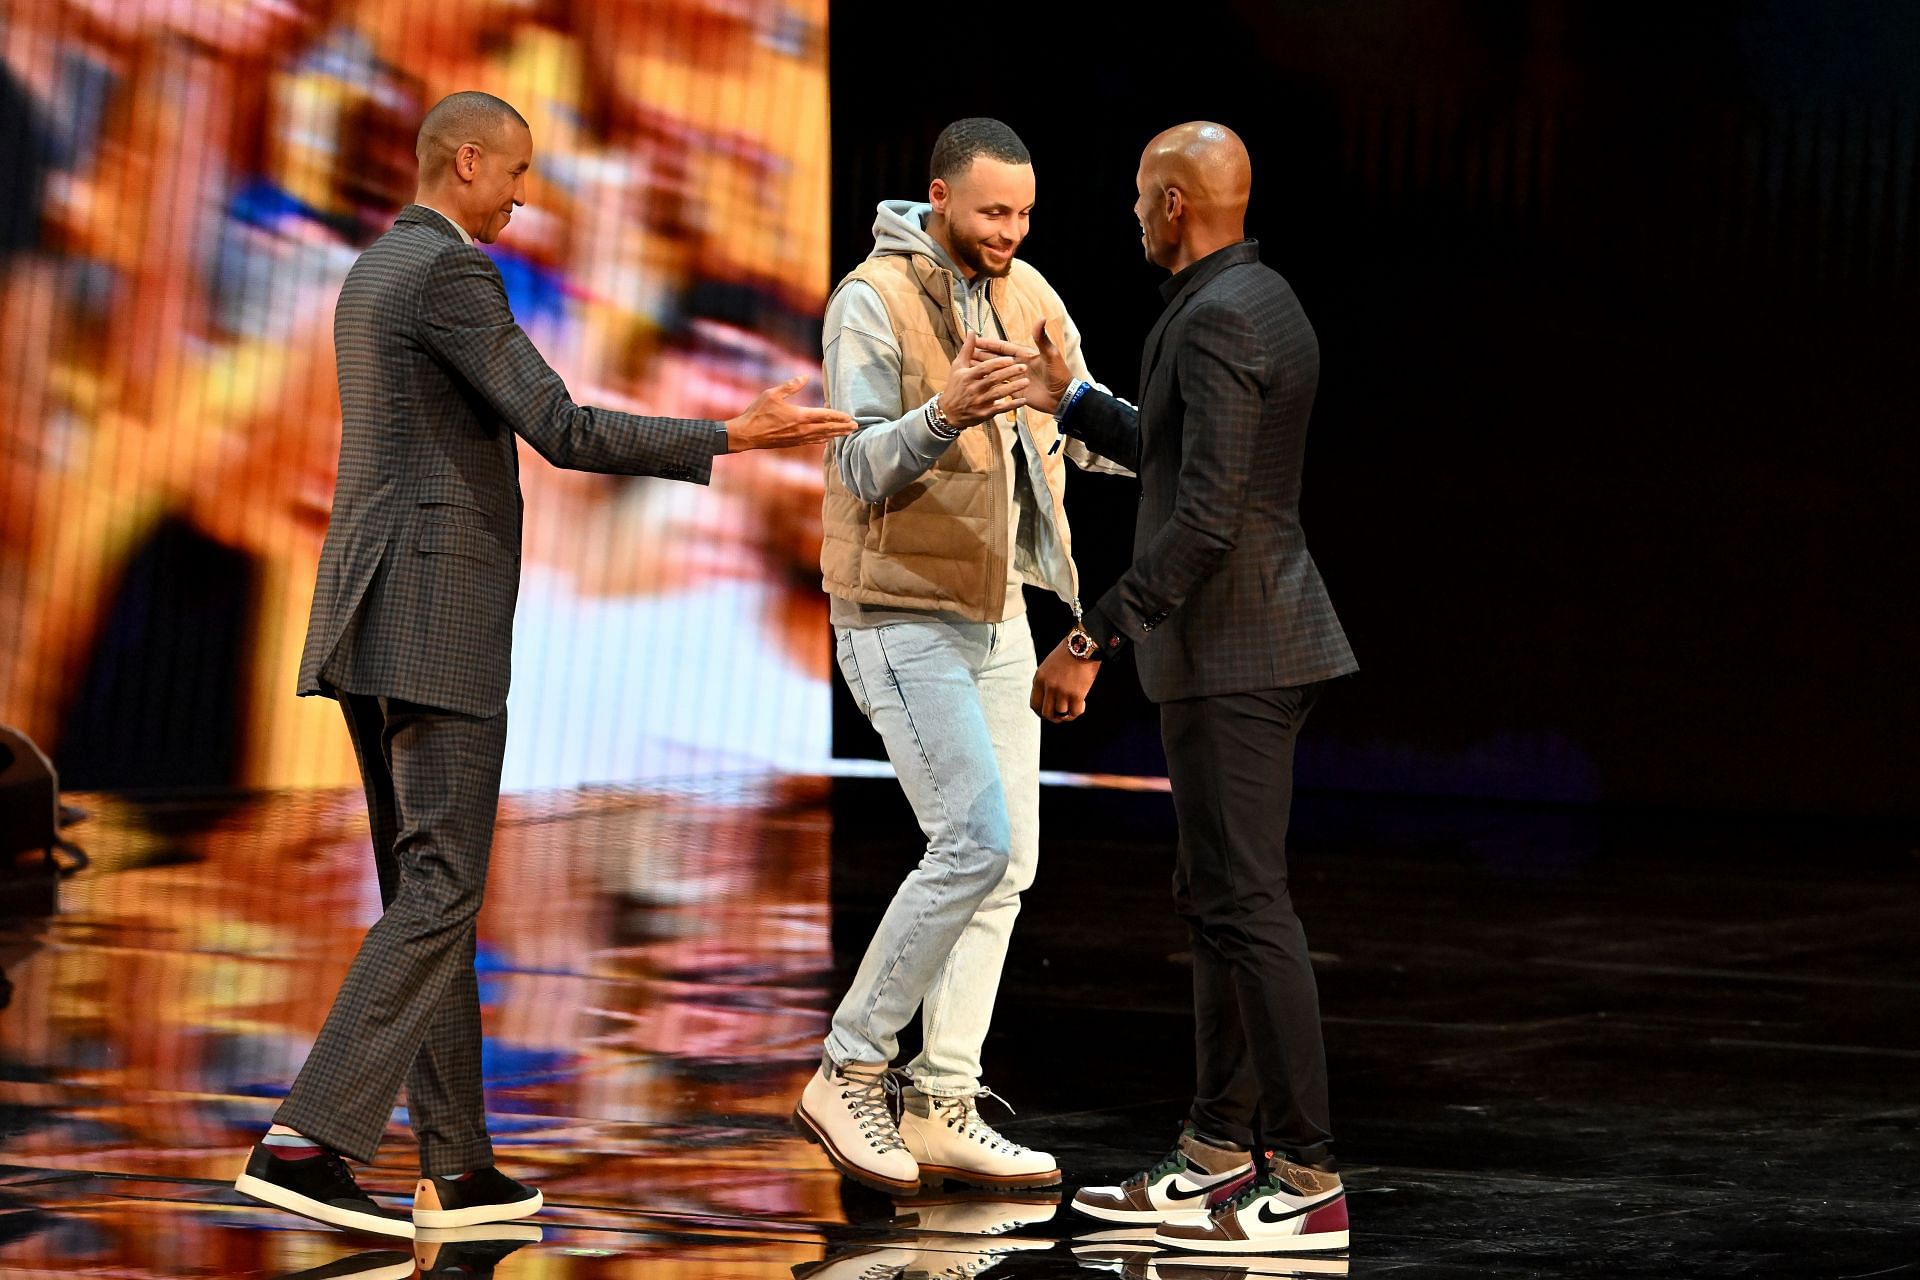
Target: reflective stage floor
(1559,1044)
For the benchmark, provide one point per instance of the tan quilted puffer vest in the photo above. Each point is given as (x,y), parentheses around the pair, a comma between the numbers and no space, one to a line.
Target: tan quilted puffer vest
(941,542)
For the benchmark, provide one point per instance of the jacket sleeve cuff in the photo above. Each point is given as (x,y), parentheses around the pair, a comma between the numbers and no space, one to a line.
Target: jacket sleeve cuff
(1105,635)
(697,450)
(920,437)
(1070,400)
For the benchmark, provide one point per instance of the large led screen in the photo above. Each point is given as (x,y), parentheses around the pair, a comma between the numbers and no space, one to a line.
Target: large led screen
(190,181)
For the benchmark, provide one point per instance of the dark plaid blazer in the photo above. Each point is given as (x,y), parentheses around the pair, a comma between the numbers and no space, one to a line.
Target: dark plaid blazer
(421,564)
(1222,596)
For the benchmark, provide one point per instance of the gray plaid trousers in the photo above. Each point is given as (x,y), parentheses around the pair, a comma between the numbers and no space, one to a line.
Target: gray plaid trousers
(410,1006)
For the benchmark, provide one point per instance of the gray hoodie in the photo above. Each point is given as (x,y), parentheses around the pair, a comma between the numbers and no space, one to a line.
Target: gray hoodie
(893,446)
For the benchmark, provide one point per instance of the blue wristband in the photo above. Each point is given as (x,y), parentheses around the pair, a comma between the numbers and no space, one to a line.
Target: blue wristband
(1079,388)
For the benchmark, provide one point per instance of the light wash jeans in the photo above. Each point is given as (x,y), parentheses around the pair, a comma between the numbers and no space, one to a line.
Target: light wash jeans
(950,701)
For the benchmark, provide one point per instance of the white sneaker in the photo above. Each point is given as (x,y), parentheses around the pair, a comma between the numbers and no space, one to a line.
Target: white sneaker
(952,1143)
(1294,1209)
(1189,1179)
(1125,1251)
(849,1115)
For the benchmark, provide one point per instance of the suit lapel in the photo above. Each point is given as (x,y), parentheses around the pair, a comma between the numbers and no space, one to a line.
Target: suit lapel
(1150,364)
(1150,353)
(1226,259)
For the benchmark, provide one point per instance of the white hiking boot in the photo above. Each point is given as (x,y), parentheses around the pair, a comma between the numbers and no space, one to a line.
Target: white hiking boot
(848,1113)
(951,1143)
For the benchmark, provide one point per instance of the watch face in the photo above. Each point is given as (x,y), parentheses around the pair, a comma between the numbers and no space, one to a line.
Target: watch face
(1079,644)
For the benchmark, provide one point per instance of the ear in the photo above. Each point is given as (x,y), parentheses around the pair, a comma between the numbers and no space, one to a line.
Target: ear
(1174,203)
(466,161)
(937,194)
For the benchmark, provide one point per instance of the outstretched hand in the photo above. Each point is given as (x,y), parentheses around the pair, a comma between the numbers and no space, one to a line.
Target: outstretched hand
(771,423)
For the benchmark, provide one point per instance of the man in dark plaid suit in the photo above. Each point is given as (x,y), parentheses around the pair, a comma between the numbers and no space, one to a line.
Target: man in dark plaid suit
(1235,638)
(411,631)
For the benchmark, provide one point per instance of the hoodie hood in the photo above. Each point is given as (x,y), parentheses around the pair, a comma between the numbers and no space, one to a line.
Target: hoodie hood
(900,226)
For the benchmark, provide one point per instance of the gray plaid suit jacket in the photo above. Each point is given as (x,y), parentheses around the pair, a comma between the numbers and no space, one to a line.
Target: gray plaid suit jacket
(1222,596)
(421,564)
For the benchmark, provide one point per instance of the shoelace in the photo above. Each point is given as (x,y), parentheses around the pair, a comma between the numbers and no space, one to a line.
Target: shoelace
(340,1178)
(870,1102)
(1172,1162)
(964,1114)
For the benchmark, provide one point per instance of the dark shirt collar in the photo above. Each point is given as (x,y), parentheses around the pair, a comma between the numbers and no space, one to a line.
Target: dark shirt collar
(1195,274)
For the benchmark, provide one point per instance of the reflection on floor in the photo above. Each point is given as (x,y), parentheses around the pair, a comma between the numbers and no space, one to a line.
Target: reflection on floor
(1556,1043)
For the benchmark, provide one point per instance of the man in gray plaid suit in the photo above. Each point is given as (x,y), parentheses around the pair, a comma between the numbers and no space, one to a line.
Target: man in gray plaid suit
(411,631)
(1235,638)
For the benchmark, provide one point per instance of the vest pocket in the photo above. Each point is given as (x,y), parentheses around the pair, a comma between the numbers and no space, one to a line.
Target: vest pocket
(949,518)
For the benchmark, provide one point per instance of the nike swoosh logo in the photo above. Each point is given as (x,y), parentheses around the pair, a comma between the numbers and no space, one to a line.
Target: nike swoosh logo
(1175,1193)
(1271,1218)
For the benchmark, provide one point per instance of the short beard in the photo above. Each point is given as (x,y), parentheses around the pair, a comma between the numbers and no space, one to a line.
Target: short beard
(969,255)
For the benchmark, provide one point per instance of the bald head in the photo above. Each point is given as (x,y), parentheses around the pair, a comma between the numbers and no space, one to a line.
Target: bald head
(457,120)
(1194,183)
(474,152)
(1207,162)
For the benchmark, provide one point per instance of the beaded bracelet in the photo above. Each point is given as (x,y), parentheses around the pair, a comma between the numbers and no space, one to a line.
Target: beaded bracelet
(937,421)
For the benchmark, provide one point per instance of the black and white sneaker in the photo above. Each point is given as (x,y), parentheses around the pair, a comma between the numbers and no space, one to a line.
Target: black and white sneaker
(388,1264)
(484,1195)
(320,1187)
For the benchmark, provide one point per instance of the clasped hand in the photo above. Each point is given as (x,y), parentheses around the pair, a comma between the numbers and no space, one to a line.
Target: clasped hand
(991,377)
(988,378)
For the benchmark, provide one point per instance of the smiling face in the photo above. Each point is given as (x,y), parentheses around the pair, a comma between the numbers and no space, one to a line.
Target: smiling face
(496,180)
(985,209)
(1159,239)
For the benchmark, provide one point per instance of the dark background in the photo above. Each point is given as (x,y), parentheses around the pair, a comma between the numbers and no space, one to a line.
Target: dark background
(1617,311)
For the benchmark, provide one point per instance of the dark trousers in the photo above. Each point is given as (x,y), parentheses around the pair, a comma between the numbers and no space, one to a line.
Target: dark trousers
(1259,1059)
(409,1010)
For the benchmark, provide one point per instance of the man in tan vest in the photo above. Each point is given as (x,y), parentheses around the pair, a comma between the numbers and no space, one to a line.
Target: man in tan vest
(944,503)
